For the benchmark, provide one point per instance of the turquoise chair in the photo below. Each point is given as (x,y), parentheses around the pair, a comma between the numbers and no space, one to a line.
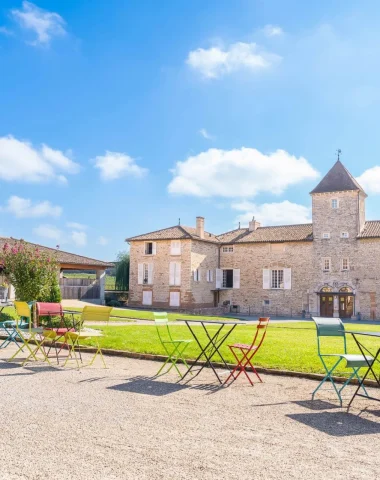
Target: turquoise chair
(333,327)
(174,348)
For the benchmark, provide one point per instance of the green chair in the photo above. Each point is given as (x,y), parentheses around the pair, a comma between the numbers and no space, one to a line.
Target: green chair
(174,348)
(333,327)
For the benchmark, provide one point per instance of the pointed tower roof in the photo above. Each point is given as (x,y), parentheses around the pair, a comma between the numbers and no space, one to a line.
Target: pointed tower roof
(338,179)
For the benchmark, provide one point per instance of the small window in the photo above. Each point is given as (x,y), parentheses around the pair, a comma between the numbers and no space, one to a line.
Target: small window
(277,280)
(210,276)
(146,273)
(334,203)
(344,235)
(149,248)
(266,302)
(228,279)
(175,247)
(326,264)
(197,275)
(345,264)
(228,249)
(325,235)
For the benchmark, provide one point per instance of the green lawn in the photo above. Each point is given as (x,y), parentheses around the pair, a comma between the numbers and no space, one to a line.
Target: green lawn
(288,346)
(125,314)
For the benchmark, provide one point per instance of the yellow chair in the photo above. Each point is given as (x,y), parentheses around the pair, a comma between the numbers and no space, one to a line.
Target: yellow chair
(89,314)
(27,333)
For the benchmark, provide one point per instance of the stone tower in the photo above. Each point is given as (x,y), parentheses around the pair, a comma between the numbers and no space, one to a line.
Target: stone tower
(338,209)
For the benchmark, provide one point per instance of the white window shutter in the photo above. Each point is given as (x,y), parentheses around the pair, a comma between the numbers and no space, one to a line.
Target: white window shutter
(236,278)
(287,278)
(175,247)
(171,273)
(154,248)
(219,277)
(177,278)
(199,274)
(150,273)
(266,278)
(140,275)
(211,275)
(195,275)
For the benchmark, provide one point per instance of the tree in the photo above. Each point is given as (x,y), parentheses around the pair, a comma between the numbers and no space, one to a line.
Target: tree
(31,271)
(122,272)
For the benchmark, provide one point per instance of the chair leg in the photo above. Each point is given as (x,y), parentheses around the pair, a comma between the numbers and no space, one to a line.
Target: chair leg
(328,377)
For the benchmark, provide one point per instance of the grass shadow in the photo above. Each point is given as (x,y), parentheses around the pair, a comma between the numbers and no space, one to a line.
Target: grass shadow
(337,424)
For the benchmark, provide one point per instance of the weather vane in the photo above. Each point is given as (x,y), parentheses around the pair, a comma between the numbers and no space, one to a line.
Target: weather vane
(339,151)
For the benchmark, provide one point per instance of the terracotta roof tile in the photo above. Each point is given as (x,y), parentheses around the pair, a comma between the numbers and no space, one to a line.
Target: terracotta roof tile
(371,229)
(177,232)
(283,233)
(232,236)
(63,257)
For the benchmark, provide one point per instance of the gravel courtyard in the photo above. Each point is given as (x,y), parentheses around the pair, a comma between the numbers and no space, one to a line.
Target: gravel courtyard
(119,423)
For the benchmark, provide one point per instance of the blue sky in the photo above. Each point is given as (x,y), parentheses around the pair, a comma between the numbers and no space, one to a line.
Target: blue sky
(119,117)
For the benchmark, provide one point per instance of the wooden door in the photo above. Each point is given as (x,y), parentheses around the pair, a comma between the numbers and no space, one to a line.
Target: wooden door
(327,305)
(346,306)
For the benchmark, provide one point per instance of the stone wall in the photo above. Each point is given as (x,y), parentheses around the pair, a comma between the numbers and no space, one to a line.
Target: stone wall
(251,259)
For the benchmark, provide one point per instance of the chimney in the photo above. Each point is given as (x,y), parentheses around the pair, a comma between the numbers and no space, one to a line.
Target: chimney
(200,227)
(254,225)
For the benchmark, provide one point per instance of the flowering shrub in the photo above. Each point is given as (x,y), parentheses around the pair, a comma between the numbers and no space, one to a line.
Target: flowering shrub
(32,272)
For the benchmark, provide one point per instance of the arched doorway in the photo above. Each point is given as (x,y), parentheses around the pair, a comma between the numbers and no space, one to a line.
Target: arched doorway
(346,302)
(326,302)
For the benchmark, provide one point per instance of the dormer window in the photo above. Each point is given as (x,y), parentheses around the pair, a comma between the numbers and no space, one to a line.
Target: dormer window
(334,203)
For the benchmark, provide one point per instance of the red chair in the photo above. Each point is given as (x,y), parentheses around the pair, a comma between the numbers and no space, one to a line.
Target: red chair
(54,334)
(247,352)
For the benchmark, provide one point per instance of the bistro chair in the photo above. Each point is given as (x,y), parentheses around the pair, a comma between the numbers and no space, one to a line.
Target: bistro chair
(26,333)
(244,353)
(89,314)
(174,348)
(334,328)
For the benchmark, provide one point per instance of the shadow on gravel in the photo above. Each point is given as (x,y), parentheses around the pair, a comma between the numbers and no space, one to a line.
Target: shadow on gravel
(337,424)
(148,386)
(316,404)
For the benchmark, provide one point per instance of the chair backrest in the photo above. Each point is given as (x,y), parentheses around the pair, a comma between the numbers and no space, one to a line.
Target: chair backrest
(48,309)
(162,325)
(329,327)
(23,312)
(261,331)
(96,314)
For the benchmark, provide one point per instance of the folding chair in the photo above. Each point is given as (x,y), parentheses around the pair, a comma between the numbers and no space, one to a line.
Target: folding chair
(333,327)
(9,327)
(174,348)
(244,353)
(100,314)
(26,333)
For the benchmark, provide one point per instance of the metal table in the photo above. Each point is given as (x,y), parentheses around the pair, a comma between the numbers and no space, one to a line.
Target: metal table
(364,349)
(214,342)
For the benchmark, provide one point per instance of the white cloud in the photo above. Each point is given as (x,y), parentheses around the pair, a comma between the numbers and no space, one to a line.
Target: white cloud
(216,61)
(239,173)
(48,231)
(115,165)
(102,241)
(370,180)
(41,22)
(282,213)
(6,31)
(205,134)
(79,238)
(272,30)
(25,208)
(20,161)
(76,226)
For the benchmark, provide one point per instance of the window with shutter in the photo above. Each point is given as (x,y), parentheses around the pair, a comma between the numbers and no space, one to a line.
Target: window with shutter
(174,273)
(140,274)
(266,279)
(218,278)
(236,278)
(175,247)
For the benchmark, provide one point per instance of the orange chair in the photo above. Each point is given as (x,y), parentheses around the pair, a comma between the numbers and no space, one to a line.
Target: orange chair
(247,352)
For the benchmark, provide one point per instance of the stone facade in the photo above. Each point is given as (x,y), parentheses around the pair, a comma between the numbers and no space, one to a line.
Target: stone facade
(328,268)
